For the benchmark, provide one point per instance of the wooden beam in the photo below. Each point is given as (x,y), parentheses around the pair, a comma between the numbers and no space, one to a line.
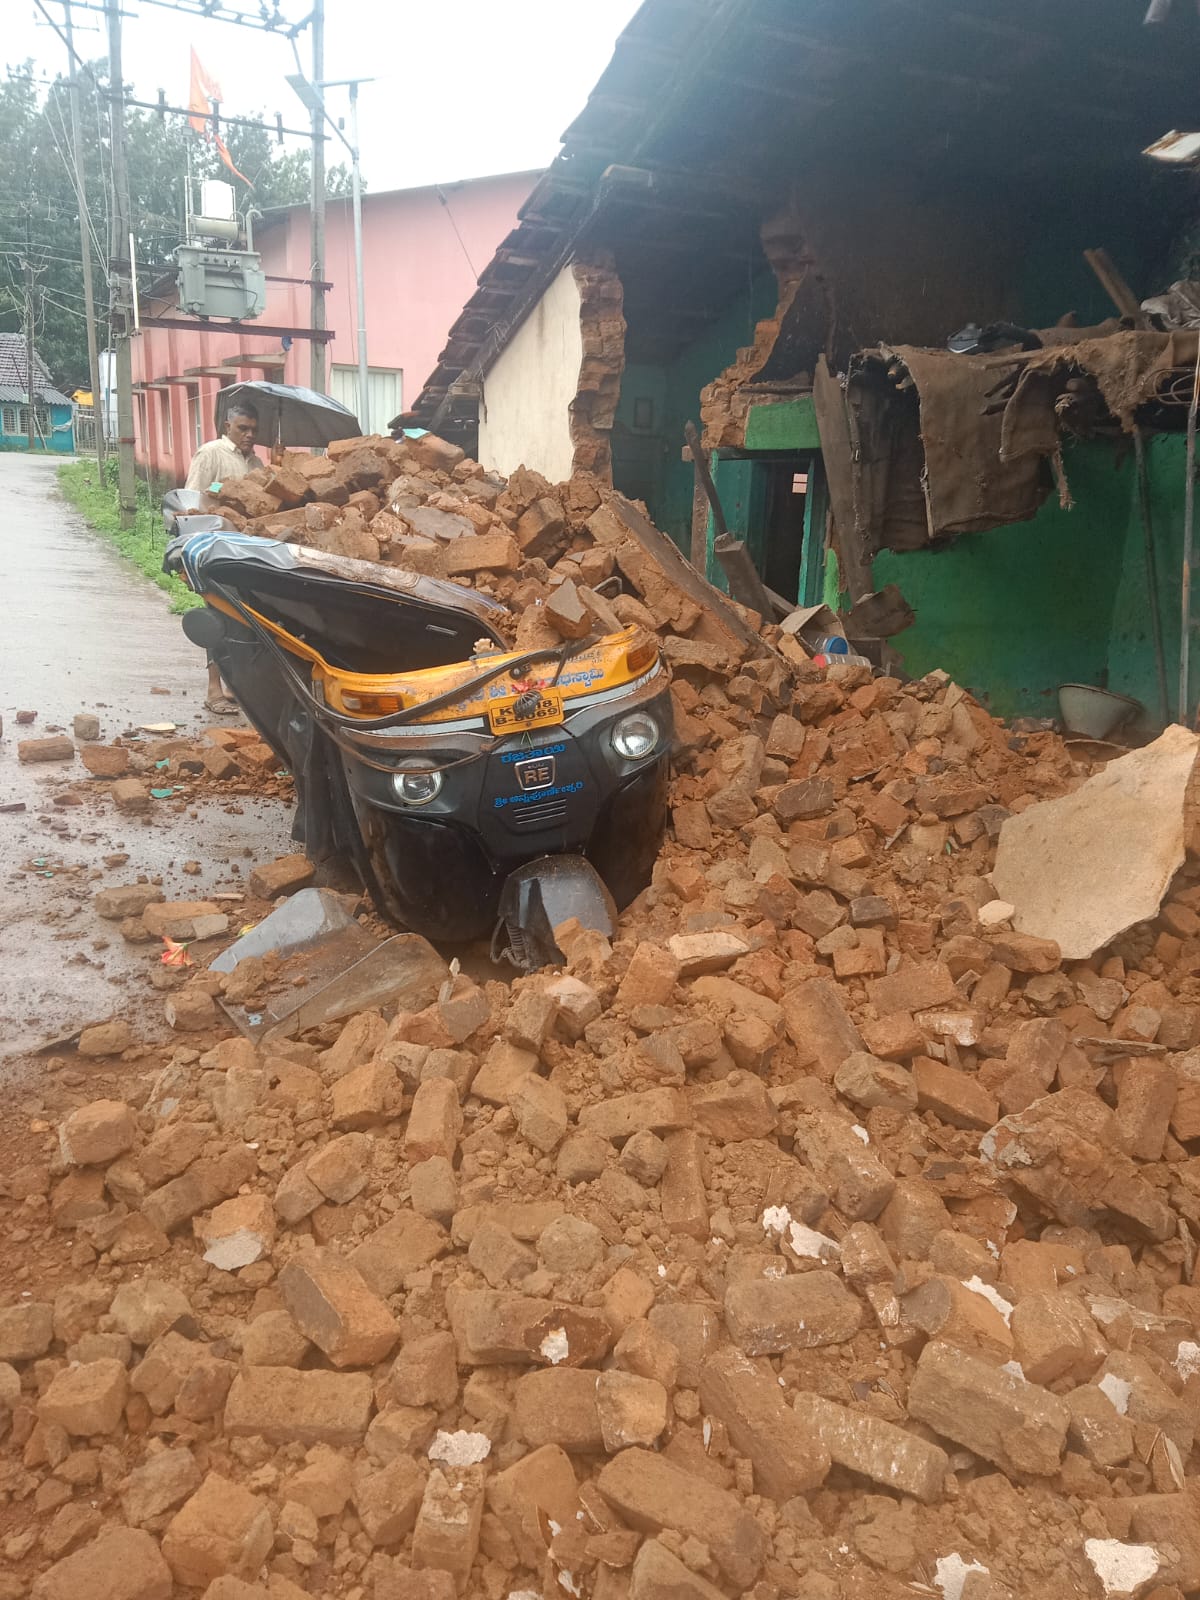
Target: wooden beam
(1115,286)
(266,360)
(256,331)
(720,527)
(741,574)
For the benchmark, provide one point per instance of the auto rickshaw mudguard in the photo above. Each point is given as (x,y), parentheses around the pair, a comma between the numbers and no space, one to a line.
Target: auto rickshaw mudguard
(543,894)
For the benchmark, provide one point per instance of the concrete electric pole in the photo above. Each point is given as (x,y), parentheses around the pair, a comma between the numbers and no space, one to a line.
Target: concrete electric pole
(85,242)
(30,374)
(120,271)
(319,377)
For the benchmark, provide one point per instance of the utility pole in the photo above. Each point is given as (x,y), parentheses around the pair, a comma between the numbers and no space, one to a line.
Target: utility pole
(30,374)
(364,396)
(318,375)
(85,243)
(313,96)
(123,289)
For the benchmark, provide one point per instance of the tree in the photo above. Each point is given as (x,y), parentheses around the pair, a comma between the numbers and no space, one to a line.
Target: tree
(39,217)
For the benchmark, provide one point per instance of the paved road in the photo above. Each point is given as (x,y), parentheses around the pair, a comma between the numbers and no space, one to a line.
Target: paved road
(82,631)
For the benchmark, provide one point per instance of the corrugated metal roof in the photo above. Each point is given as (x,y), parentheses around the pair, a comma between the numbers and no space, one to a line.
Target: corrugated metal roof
(14,386)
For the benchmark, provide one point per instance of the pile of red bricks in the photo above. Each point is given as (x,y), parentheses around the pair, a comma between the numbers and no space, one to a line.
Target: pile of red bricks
(548,552)
(139,774)
(819,1236)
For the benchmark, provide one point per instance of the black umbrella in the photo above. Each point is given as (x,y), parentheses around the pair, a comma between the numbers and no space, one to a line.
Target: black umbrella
(289,415)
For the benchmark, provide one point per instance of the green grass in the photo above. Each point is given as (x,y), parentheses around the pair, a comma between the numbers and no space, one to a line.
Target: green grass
(142,545)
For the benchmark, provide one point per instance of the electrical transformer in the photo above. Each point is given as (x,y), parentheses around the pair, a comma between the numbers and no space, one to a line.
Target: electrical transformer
(216,278)
(220,283)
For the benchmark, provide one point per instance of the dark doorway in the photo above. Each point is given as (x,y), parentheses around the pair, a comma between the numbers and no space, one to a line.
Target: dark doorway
(788,545)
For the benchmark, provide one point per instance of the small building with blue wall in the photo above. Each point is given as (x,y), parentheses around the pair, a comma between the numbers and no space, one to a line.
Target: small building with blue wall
(53,412)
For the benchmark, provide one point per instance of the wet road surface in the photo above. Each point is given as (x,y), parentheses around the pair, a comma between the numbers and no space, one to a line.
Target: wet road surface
(83,631)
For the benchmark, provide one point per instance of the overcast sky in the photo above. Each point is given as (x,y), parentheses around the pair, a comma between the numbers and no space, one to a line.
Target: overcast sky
(465,87)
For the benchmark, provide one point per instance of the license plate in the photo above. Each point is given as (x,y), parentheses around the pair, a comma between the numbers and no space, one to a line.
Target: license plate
(504,719)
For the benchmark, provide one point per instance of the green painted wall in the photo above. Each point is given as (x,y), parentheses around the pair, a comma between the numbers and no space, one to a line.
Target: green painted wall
(1131,642)
(678,385)
(1014,612)
(638,455)
(785,425)
(695,367)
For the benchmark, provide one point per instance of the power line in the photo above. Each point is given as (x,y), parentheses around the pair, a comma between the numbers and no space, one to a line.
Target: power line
(221,11)
(462,243)
(13,255)
(75,174)
(212,10)
(70,311)
(19,252)
(72,54)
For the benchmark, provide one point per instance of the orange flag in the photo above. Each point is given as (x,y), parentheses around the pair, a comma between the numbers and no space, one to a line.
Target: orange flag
(204,91)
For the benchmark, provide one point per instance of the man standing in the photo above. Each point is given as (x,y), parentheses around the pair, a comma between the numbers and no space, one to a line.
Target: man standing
(229,457)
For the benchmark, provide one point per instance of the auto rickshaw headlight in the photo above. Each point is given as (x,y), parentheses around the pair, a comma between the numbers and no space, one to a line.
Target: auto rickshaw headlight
(636,736)
(415,783)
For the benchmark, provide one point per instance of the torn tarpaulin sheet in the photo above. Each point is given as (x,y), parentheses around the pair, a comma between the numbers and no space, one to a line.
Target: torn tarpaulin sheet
(968,485)
(925,459)
(938,444)
(1129,369)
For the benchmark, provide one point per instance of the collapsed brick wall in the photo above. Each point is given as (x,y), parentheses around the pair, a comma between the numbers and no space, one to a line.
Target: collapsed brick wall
(602,324)
(819,1235)
(543,549)
(724,406)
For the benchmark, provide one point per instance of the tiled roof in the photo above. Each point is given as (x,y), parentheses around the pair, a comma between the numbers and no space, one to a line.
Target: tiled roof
(713,115)
(13,384)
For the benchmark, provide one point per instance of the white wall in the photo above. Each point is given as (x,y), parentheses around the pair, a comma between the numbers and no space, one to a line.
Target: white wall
(524,418)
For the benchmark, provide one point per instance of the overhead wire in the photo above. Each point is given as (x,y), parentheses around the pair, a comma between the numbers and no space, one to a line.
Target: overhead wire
(15,248)
(78,179)
(441,194)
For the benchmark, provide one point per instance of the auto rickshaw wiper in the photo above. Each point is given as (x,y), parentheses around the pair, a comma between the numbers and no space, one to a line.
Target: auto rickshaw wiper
(398,719)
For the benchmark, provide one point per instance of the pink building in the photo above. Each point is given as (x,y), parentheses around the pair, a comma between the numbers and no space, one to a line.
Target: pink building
(423,249)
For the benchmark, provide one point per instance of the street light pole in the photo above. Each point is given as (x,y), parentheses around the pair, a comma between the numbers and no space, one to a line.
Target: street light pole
(364,400)
(30,376)
(318,376)
(313,97)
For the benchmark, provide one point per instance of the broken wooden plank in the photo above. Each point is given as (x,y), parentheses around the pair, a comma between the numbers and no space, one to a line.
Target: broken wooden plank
(1115,286)
(720,615)
(720,526)
(745,585)
(837,454)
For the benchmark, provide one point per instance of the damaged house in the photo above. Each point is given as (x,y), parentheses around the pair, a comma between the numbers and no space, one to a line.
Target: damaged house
(890,258)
